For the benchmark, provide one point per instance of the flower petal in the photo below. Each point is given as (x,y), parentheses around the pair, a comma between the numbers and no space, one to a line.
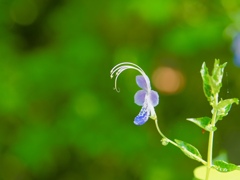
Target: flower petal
(154,98)
(142,117)
(139,97)
(142,82)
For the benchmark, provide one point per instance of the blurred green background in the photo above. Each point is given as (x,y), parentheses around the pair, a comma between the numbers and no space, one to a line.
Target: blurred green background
(59,116)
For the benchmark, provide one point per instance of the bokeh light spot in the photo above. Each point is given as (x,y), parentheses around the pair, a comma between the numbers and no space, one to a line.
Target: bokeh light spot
(168,80)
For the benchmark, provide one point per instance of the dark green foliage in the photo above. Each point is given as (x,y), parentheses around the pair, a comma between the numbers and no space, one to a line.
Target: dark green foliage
(60,118)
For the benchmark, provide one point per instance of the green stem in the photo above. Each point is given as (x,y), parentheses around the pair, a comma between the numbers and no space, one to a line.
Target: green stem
(210,140)
(173,143)
(209,158)
(161,134)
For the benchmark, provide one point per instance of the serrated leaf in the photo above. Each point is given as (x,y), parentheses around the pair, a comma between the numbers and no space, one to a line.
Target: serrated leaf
(223,166)
(212,83)
(217,75)
(206,82)
(189,150)
(224,107)
(203,122)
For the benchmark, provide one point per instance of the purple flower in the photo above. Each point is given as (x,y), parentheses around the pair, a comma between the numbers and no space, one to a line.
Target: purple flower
(236,49)
(146,97)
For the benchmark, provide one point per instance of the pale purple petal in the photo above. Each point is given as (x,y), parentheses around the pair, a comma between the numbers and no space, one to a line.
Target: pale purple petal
(139,97)
(142,117)
(154,98)
(141,82)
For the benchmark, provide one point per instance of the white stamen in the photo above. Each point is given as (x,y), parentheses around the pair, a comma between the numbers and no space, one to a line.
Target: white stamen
(119,68)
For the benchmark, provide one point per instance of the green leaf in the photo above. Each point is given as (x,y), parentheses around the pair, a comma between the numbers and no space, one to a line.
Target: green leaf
(189,150)
(203,122)
(212,83)
(206,82)
(224,107)
(223,166)
(217,75)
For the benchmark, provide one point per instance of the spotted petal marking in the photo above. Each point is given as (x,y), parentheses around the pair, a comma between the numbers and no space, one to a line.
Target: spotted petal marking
(143,116)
